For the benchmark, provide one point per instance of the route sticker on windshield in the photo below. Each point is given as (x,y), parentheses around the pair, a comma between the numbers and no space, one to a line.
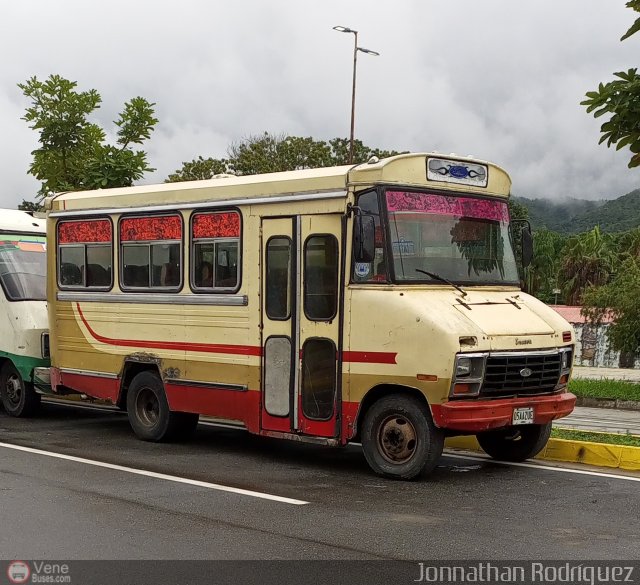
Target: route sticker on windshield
(403,248)
(363,269)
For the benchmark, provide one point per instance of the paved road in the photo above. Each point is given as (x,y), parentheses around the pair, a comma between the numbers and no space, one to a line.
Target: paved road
(470,507)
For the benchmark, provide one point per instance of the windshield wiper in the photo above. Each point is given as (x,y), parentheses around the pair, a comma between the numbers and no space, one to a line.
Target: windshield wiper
(443,279)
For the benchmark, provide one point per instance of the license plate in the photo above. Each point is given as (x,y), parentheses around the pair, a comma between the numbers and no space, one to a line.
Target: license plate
(523,416)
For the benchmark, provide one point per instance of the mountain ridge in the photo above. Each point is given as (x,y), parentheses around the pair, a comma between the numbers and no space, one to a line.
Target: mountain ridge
(573,216)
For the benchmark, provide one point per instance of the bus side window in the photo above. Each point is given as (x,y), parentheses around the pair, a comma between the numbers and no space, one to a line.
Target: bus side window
(321,277)
(278,282)
(151,252)
(85,253)
(215,251)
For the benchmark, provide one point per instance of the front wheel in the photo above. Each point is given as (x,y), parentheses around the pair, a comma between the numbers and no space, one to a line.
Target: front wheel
(19,398)
(399,438)
(515,443)
(149,413)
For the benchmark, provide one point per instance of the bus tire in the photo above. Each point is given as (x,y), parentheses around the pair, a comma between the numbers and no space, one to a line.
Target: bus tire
(515,443)
(149,414)
(187,424)
(399,438)
(18,397)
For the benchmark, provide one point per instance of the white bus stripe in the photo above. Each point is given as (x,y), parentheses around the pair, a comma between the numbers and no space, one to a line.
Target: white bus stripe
(155,475)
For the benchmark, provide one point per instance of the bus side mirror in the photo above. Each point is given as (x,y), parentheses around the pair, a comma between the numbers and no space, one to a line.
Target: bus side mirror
(364,238)
(527,245)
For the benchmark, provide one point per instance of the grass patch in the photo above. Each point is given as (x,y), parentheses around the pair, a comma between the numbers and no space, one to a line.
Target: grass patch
(616,389)
(609,438)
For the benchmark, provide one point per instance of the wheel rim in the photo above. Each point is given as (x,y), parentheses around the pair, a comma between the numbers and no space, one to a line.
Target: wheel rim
(147,407)
(397,439)
(512,435)
(13,387)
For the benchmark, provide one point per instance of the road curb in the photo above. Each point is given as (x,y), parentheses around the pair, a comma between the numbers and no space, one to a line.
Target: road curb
(599,454)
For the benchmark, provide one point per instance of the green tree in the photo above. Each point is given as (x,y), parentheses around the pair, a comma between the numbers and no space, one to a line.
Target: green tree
(543,273)
(587,260)
(618,299)
(621,99)
(199,169)
(271,153)
(30,206)
(628,244)
(518,213)
(361,153)
(72,154)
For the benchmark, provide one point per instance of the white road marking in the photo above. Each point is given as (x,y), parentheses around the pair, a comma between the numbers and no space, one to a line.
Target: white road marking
(545,467)
(153,474)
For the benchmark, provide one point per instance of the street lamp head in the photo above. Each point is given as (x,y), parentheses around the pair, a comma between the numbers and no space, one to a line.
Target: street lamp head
(344,29)
(367,51)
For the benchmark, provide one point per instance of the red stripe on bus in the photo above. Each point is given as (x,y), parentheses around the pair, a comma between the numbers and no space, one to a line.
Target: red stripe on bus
(94,386)
(174,345)
(369,357)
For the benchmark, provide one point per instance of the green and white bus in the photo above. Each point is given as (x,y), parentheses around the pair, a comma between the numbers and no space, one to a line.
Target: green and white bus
(24,337)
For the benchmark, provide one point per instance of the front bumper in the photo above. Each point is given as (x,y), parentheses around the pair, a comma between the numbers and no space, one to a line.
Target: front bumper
(474,416)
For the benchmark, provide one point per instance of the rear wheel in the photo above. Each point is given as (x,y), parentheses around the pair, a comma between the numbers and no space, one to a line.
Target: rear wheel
(19,398)
(399,438)
(149,413)
(515,443)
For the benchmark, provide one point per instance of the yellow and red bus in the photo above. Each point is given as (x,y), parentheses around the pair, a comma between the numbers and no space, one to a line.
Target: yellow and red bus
(377,303)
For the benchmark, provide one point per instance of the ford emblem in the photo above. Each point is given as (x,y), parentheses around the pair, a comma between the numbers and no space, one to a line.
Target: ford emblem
(525,372)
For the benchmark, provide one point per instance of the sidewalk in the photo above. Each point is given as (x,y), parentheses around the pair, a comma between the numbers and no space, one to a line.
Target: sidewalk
(602,420)
(629,375)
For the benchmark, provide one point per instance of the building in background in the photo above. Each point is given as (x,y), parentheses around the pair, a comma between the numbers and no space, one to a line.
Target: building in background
(592,342)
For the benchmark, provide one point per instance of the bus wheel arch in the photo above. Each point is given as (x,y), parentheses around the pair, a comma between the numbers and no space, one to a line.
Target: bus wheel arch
(399,438)
(132,367)
(378,392)
(148,409)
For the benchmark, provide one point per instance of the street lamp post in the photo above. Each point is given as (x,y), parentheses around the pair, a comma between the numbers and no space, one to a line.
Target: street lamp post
(344,29)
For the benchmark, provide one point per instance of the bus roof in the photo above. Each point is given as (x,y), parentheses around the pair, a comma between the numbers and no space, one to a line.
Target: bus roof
(17,221)
(405,169)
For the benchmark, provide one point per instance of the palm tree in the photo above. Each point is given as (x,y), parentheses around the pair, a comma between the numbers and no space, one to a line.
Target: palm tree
(588,260)
(629,244)
(542,274)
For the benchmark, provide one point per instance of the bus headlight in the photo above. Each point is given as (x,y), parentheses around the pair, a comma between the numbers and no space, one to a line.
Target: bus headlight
(463,366)
(468,374)
(566,362)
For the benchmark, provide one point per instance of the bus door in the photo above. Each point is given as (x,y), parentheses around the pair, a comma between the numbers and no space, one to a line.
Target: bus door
(301,324)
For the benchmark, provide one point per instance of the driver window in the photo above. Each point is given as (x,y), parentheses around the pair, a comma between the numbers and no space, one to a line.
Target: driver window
(375,271)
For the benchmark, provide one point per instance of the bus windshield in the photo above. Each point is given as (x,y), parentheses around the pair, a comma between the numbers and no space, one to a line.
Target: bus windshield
(463,239)
(23,266)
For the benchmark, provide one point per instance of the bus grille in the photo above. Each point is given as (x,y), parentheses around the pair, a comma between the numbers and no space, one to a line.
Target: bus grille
(503,375)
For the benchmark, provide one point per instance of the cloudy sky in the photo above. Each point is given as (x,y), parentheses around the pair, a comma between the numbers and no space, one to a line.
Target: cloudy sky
(498,79)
